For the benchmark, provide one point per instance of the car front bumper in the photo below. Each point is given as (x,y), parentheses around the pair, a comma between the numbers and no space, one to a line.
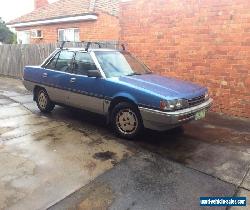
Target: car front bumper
(159,120)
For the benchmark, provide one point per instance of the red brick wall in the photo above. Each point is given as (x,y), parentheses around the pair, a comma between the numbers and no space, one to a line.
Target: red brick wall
(204,41)
(105,28)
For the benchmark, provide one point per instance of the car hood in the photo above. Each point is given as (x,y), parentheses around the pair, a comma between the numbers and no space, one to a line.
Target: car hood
(164,86)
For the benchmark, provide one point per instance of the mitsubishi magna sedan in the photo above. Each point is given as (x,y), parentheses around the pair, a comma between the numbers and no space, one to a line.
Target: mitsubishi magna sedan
(115,84)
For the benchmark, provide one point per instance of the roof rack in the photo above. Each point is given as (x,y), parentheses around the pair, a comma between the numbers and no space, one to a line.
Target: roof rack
(89,43)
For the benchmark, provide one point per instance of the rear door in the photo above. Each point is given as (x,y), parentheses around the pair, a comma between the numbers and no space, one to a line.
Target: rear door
(87,92)
(57,75)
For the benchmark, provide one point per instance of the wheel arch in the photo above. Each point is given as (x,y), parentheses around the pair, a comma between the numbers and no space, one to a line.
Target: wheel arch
(119,99)
(35,90)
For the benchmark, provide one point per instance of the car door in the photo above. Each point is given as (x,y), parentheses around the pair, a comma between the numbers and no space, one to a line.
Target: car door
(87,92)
(56,76)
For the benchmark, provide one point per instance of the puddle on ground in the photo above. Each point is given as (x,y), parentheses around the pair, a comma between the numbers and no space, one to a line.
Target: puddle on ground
(96,142)
(104,156)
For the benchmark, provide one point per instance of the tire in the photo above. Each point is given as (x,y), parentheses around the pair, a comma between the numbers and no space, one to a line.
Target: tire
(126,120)
(43,101)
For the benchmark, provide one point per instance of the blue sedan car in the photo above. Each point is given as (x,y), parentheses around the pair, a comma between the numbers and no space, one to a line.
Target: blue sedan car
(115,84)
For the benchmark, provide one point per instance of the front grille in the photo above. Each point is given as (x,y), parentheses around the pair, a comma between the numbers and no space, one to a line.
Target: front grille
(196,101)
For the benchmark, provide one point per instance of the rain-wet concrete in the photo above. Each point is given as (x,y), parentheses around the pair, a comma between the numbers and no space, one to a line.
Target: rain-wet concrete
(223,162)
(43,160)
(246,181)
(243,193)
(22,99)
(147,181)
(23,125)
(46,158)
(42,168)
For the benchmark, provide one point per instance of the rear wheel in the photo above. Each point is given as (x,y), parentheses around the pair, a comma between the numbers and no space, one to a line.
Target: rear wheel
(126,120)
(43,101)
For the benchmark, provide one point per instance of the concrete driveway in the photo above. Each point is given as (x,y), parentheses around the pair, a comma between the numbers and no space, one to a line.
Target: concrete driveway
(71,160)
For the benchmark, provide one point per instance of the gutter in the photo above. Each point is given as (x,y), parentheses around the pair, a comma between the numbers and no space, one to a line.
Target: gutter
(86,17)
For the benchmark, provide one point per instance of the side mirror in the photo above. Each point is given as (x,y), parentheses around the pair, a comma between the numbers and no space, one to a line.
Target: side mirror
(94,73)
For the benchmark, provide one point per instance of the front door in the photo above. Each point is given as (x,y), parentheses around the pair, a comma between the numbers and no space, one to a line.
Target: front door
(87,92)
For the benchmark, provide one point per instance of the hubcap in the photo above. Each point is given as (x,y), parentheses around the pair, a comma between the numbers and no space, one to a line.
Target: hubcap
(42,100)
(126,121)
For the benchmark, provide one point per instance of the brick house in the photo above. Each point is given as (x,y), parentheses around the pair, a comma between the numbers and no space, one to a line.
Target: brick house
(71,20)
(205,41)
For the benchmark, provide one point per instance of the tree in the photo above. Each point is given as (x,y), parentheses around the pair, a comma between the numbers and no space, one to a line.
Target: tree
(6,35)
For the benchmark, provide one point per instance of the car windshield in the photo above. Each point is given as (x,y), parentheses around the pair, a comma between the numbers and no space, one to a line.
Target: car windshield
(117,64)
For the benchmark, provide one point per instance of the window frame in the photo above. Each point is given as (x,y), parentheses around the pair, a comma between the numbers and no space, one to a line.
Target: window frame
(50,58)
(63,29)
(74,61)
(92,54)
(58,53)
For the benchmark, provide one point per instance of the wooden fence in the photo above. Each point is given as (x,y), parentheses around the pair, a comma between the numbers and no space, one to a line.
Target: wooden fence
(13,58)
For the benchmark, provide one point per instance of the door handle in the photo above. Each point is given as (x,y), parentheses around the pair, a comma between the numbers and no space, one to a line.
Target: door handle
(45,75)
(72,80)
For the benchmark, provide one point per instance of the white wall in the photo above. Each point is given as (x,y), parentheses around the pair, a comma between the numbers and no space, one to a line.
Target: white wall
(23,37)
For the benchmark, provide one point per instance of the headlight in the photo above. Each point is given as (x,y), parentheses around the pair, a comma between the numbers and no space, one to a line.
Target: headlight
(173,104)
(207,96)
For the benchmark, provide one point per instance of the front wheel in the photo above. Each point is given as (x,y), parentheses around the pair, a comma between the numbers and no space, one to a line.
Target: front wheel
(126,120)
(43,101)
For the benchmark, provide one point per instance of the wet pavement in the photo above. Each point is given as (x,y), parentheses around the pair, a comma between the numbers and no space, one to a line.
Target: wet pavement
(71,160)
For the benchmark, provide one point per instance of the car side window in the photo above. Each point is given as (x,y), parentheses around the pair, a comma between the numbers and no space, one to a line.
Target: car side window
(83,63)
(52,63)
(64,61)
